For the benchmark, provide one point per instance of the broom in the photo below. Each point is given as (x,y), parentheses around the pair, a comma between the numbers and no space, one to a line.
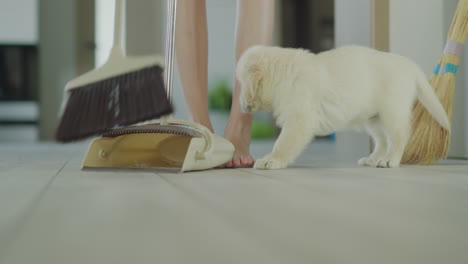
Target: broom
(123,91)
(430,142)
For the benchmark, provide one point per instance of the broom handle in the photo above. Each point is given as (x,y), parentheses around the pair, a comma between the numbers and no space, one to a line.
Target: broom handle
(170,46)
(117,48)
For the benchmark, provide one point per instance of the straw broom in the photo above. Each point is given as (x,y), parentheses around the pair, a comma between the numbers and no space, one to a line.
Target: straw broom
(430,142)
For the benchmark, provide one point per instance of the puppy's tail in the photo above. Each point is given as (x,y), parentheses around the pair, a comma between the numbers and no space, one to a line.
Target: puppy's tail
(430,101)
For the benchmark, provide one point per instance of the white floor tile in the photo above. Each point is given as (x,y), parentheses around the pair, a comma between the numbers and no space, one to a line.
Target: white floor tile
(324,209)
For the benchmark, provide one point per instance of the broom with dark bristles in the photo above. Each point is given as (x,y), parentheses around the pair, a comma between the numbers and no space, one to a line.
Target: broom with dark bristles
(430,142)
(123,91)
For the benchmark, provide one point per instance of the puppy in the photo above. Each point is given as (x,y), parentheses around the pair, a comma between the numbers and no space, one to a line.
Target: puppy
(348,87)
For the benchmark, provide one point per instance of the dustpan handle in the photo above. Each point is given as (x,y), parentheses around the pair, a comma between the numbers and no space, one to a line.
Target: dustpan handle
(206,133)
(170,46)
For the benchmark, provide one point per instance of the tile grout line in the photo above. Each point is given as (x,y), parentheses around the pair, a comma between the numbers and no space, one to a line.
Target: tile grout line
(260,175)
(28,212)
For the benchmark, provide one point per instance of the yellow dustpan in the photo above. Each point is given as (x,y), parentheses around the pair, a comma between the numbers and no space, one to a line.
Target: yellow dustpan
(168,144)
(181,145)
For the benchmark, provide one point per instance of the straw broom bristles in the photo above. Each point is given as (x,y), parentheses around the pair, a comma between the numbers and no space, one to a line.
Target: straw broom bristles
(430,142)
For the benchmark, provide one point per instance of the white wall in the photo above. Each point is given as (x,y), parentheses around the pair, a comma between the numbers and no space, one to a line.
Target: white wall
(352,26)
(105,10)
(352,22)
(15,30)
(144,28)
(420,39)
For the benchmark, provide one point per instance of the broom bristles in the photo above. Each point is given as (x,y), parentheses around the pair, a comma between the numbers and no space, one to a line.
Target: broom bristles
(119,101)
(430,142)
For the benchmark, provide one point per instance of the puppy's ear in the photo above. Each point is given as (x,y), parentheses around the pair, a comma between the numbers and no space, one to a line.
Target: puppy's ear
(256,71)
(256,76)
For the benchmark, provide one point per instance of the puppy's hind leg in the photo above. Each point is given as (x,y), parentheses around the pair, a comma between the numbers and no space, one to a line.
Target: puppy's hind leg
(398,128)
(295,135)
(376,131)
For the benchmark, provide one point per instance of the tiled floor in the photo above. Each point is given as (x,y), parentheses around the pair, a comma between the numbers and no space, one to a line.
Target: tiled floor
(324,209)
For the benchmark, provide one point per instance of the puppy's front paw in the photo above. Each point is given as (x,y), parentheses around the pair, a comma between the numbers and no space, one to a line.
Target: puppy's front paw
(269,163)
(388,164)
(366,161)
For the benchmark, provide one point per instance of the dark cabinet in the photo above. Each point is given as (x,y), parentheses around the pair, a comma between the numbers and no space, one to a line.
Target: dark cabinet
(18,73)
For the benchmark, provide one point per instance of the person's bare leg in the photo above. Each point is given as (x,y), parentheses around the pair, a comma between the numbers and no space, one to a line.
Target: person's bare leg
(192,58)
(254,26)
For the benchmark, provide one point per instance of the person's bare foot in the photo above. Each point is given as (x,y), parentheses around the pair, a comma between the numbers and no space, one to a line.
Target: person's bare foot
(238,133)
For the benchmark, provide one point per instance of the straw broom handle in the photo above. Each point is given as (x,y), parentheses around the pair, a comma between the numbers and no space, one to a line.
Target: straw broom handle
(457,35)
(459,28)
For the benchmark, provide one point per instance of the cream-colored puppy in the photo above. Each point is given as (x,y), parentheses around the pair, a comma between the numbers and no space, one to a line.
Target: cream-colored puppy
(349,87)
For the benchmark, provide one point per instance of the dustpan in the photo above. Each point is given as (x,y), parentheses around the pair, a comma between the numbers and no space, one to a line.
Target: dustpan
(166,144)
(180,145)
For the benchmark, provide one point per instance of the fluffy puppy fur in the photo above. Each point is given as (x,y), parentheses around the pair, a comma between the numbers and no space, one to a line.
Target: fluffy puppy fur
(349,87)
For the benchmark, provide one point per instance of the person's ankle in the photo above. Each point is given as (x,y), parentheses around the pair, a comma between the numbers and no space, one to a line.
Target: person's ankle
(236,129)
